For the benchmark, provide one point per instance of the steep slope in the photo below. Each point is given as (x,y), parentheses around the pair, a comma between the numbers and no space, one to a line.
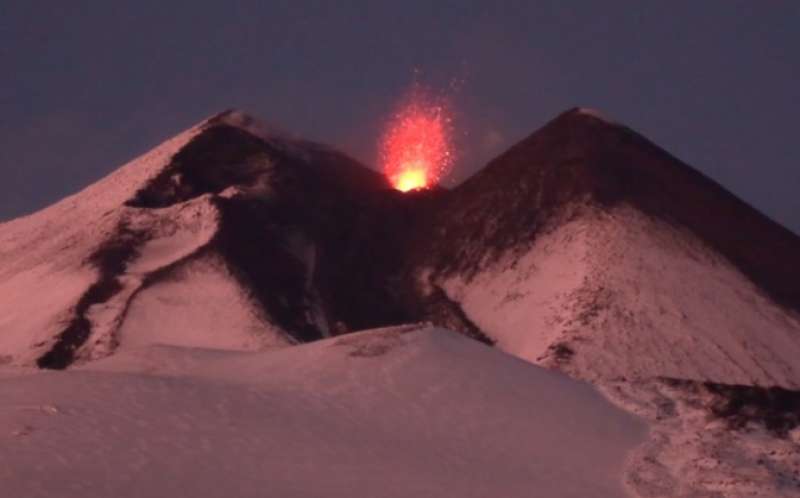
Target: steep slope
(48,276)
(383,413)
(584,248)
(587,248)
(579,155)
(223,218)
(617,294)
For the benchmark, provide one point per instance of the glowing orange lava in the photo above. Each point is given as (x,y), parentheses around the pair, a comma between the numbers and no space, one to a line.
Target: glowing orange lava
(416,149)
(410,179)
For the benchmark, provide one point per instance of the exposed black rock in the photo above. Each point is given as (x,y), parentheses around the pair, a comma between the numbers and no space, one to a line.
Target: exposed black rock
(775,408)
(110,260)
(325,246)
(578,156)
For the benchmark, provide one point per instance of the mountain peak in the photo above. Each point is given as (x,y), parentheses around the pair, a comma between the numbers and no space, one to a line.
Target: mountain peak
(576,113)
(317,243)
(580,158)
(595,113)
(584,248)
(245,121)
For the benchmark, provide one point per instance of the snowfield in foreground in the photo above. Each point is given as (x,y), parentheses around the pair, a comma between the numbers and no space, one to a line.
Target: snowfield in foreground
(403,411)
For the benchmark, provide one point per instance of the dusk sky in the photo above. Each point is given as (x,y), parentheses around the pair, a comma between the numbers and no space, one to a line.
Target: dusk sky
(88,85)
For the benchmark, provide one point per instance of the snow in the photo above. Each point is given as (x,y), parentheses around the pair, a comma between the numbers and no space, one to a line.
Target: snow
(174,233)
(515,300)
(396,412)
(100,197)
(46,270)
(35,304)
(633,298)
(204,397)
(690,454)
(193,301)
(200,306)
(621,300)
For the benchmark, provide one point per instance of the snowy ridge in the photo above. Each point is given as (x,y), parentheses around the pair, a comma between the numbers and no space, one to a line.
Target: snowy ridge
(659,322)
(48,250)
(232,229)
(584,249)
(369,414)
(616,294)
(95,243)
(202,291)
(588,249)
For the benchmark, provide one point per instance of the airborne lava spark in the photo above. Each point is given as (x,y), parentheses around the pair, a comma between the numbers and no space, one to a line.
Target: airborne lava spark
(416,149)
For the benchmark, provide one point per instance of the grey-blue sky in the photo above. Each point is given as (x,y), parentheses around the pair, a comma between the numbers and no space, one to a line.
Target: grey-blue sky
(87,85)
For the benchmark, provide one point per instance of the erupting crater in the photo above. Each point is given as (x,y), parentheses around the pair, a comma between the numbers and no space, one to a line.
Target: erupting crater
(416,149)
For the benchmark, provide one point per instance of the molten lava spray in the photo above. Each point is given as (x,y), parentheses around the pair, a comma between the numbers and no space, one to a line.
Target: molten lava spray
(416,149)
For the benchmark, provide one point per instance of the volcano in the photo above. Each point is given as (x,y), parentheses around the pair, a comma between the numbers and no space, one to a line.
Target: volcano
(586,245)
(584,248)
(582,235)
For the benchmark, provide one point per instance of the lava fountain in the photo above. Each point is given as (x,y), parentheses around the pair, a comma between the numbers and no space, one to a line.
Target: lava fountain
(416,149)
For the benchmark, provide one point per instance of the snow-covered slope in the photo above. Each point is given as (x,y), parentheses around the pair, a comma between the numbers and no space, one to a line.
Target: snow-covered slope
(388,413)
(589,249)
(203,292)
(584,248)
(44,258)
(617,294)
(211,239)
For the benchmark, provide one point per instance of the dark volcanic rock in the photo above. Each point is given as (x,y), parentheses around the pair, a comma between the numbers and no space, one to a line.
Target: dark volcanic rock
(325,246)
(579,156)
